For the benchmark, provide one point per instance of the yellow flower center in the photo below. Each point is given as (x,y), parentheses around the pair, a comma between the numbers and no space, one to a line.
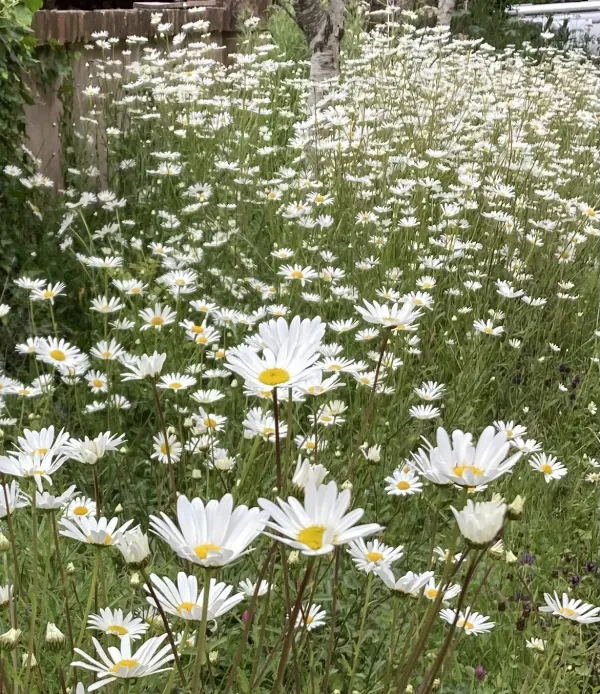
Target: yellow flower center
(547,469)
(42,451)
(117,629)
(319,197)
(107,355)
(310,445)
(180,282)
(164,448)
(268,431)
(136,290)
(488,331)
(310,620)
(335,367)
(203,309)
(460,470)
(296,274)
(201,551)
(201,340)
(566,612)
(219,354)
(431,593)
(128,663)
(462,624)
(185,607)
(176,385)
(403,485)
(97,383)
(80,510)
(326,418)
(48,294)
(374,556)
(107,540)
(157,320)
(591,212)
(197,329)
(274,376)
(58,355)
(210,423)
(312,536)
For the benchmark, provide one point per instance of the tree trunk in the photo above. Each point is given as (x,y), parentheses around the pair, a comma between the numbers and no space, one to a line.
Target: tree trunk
(444,12)
(323,29)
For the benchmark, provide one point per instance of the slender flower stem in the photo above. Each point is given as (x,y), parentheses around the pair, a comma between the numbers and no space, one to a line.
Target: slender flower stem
(361,631)
(334,602)
(285,653)
(439,661)
(11,535)
(250,619)
(277,441)
(370,405)
(35,590)
(63,579)
(88,605)
(163,427)
(201,645)
(166,625)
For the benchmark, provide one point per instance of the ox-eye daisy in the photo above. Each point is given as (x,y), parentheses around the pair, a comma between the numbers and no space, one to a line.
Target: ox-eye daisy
(403,483)
(569,608)
(121,663)
(372,555)
(211,535)
(115,623)
(470,622)
(321,524)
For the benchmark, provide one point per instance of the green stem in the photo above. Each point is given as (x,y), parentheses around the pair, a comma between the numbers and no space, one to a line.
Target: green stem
(549,658)
(88,605)
(34,593)
(201,645)
(361,631)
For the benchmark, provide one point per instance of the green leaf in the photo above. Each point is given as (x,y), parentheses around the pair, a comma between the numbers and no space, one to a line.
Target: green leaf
(242,681)
(33,5)
(23,16)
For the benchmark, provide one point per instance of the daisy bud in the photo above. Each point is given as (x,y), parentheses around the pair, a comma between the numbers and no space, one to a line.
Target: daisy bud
(496,551)
(70,568)
(293,558)
(435,685)
(4,543)
(54,636)
(515,510)
(510,558)
(480,522)
(188,422)
(274,490)
(196,474)
(213,656)
(409,689)
(347,485)
(10,638)
(123,450)
(135,580)
(118,509)
(234,383)
(134,547)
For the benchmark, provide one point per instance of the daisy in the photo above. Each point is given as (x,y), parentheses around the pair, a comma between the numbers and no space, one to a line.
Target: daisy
(430,391)
(391,316)
(569,608)
(49,293)
(259,423)
(480,522)
(97,381)
(93,531)
(321,524)
(307,473)
(185,601)
(57,352)
(289,357)
(403,483)
(432,589)
(107,350)
(457,460)
(549,465)
(158,317)
(207,397)
(211,535)
(311,618)
(12,498)
(248,588)
(103,304)
(40,467)
(144,367)
(208,421)
(424,412)
(90,451)
(42,441)
(409,584)
(373,555)
(49,502)
(297,272)
(175,381)
(470,622)
(166,451)
(536,644)
(115,623)
(121,663)
(512,430)
(487,328)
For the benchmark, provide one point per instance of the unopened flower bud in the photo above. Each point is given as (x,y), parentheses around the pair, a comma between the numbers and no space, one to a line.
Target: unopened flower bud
(515,510)
(347,484)
(409,689)
(436,684)
(27,662)
(293,558)
(10,638)
(196,474)
(4,543)
(54,635)
(213,656)
(134,547)
(119,509)
(135,580)
(70,568)
(509,557)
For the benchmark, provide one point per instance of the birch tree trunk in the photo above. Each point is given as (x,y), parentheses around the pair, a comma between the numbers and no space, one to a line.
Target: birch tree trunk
(323,28)
(444,11)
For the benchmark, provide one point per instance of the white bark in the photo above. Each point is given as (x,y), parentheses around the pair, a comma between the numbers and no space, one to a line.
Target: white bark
(444,11)
(323,29)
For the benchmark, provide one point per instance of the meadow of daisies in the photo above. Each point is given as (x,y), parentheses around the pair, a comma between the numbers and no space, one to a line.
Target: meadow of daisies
(307,402)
